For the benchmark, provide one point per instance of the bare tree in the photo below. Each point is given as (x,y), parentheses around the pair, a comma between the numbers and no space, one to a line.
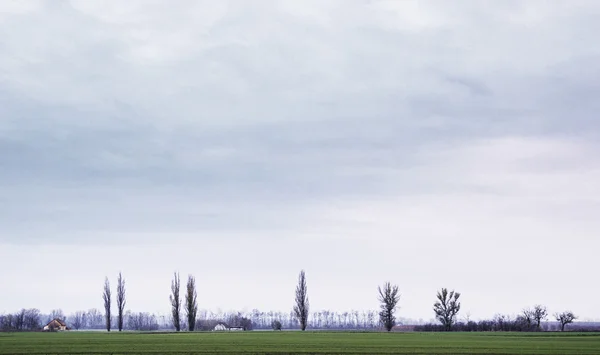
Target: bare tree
(447,307)
(389,297)
(539,314)
(78,320)
(94,319)
(107,301)
(57,314)
(276,325)
(565,318)
(302,305)
(20,320)
(527,317)
(175,301)
(120,300)
(32,319)
(191,303)
(468,317)
(141,321)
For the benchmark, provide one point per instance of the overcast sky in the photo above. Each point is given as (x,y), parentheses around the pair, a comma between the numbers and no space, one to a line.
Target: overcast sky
(429,143)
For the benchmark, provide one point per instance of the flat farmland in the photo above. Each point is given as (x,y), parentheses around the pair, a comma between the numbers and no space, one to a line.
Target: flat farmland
(299,343)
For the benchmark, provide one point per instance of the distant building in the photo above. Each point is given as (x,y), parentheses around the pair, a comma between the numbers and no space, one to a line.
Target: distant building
(56,325)
(224,327)
(220,327)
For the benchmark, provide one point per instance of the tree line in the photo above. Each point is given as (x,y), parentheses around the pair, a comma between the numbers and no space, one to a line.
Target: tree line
(529,320)
(446,308)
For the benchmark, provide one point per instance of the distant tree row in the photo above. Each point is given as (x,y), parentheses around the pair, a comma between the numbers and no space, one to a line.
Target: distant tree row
(446,308)
(367,320)
(24,320)
(144,320)
(529,320)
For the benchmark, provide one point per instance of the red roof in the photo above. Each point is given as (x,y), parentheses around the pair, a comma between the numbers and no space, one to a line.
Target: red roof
(56,323)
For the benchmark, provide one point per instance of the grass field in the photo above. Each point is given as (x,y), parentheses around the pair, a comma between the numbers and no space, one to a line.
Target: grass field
(299,343)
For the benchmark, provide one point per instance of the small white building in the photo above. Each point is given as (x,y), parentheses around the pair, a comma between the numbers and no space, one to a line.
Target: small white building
(220,327)
(56,324)
(236,329)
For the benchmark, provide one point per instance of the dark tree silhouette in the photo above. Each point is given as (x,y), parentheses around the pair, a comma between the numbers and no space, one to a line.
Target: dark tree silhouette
(191,303)
(302,305)
(120,301)
(107,301)
(565,318)
(447,307)
(175,302)
(389,297)
(78,320)
(276,325)
(527,318)
(539,314)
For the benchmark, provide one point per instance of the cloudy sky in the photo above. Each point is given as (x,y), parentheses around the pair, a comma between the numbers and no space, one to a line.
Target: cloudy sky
(429,143)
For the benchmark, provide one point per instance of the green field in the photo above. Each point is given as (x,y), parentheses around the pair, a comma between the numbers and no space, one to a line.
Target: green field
(299,343)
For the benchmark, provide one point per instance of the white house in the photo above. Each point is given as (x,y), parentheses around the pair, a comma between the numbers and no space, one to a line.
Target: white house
(56,324)
(220,327)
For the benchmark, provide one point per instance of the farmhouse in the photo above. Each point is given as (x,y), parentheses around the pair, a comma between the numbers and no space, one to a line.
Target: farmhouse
(224,327)
(220,327)
(56,324)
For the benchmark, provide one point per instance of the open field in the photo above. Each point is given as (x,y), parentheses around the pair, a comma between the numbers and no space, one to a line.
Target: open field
(297,342)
